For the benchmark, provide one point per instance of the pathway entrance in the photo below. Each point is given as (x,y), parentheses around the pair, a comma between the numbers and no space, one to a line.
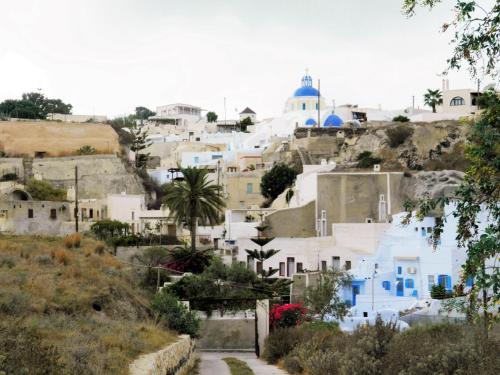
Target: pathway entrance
(212,364)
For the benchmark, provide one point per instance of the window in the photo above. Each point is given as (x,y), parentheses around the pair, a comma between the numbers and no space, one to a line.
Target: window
(133,215)
(91,213)
(303,106)
(282,269)
(400,269)
(409,283)
(323,265)
(216,157)
(53,213)
(347,264)
(196,160)
(259,268)
(299,267)
(84,213)
(429,229)
(430,281)
(386,285)
(250,262)
(336,263)
(30,213)
(316,106)
(249,188)
(457,100)
(290,266)
(133,227)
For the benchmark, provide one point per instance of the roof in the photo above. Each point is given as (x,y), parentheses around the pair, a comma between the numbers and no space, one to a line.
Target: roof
(247,110)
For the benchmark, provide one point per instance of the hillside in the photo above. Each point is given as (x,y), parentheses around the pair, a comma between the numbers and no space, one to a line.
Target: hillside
(70,311)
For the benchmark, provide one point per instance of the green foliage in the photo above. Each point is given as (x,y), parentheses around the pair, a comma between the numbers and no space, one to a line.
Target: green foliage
(323,298)
(140,142)
(143,113)
(174,314)
(479,192)
(86,150)
(9,177)
(246,122)
(182,259)
(107,229)
(398,135)
(401,118)
(438,291)
(476,37)
(366,160)
(23,352)
(212,117)
(432,98)
(276,180)
(194,200)
(44,191)
(282,341)
(33,105)
(238,367)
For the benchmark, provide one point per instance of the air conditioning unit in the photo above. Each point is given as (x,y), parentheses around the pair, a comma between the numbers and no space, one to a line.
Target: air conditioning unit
(412,270)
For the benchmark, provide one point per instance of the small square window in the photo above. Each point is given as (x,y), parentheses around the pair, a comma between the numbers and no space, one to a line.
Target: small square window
(53,213)
(30,213)
(249,188)
(299,267)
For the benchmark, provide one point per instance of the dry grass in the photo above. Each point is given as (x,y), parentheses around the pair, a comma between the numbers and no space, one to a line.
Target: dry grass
(72,240)
(82,301)
(238,367)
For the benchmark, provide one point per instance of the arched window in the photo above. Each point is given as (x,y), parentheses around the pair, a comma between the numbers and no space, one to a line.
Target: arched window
(457,100)
(303,106)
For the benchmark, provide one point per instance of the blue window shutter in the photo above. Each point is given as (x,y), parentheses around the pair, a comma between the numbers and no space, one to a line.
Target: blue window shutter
(448,282)
(409,283)
(400,269)
(470,281)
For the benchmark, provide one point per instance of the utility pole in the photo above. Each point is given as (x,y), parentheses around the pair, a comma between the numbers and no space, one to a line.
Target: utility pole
(319,117)
(76,198)
(477,99)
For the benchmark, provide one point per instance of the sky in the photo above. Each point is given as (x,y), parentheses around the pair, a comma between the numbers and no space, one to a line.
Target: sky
(109,56)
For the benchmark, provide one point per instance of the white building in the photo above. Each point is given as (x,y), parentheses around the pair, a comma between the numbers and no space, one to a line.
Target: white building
(177,114)
(406,266)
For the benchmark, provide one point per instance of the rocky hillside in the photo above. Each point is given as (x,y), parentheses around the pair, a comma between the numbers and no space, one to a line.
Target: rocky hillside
(401,146)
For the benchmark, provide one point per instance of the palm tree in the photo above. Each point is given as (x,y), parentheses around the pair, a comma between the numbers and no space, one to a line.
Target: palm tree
(194,199)
(432,98)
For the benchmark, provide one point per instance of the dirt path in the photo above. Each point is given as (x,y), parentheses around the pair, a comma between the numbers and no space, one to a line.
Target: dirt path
(212,364)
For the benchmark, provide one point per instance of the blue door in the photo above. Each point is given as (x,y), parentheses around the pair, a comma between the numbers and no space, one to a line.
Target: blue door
(355,292)
(400,288)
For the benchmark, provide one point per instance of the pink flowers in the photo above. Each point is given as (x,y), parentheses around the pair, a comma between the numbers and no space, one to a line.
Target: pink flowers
(289,315)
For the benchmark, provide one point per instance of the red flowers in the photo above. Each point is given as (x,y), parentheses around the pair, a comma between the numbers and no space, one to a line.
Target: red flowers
(289,315)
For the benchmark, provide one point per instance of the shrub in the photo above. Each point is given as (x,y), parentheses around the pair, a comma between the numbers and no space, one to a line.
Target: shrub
(276,180)
(99,248)
(366,160)
(175,315)
(7,262)
(44,260)
(323,362)
(281,342)
(398,135)
(44,191)
(289,315)
(86,150)
(438,291)
(9,177)
(292,364)
(72,240)
(401,118)
(61,256)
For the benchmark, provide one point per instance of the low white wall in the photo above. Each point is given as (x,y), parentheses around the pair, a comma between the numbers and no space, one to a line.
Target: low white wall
(177,358)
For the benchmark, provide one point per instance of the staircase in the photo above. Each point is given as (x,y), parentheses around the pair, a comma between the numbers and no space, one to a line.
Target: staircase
(305,158)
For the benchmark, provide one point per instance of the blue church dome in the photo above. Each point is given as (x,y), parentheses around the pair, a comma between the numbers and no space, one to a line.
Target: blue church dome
(333,120)
(307,88)
(310,122)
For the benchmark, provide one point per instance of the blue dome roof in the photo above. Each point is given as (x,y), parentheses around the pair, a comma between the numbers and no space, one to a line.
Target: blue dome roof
(307,88)
(333,120)
(310,122)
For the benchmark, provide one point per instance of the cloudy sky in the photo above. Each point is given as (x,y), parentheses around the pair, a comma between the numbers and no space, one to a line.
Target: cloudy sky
(109,56)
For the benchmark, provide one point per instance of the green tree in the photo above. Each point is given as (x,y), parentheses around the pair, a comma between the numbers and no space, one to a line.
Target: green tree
(276,180)
(140,142)
(476,33)
(212,117)
(432,98)
(45,191)
(33,105)
(323,298)
(478,193)
(194,199)
(175,315)
(143,113)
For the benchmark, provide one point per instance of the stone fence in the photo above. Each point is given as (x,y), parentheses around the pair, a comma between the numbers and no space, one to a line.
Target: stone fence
(176,359)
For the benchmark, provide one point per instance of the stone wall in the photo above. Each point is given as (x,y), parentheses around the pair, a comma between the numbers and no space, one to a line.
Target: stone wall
(11,165)
(99,175)
(176,359)
(230,333)
(293,222)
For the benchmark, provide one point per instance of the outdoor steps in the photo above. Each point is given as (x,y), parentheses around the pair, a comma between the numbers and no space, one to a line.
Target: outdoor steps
(305,158)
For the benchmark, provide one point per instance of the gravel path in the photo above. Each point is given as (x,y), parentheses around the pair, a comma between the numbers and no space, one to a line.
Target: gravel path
(212,364)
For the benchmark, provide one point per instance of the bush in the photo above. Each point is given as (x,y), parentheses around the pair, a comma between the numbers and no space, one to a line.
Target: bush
(366,160)
(61,256)
(175,315)
(438,291)
(281,342)
(401,118)
(398,135)
(86,150)
(44,191)
(276,180)
(289,315)
(323,362)
(292,364)
(72,240)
